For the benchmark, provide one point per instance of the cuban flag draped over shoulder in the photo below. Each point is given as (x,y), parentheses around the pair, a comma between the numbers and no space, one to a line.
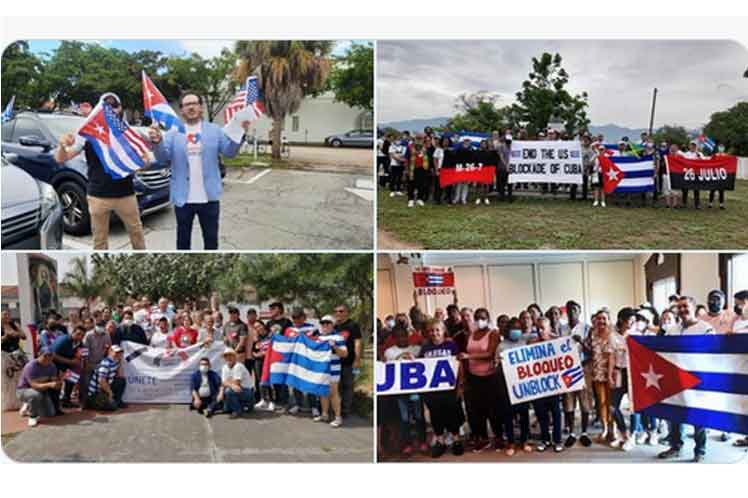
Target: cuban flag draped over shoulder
(627,174)
(696,380)
(118,146)
(298,361)
(157,108)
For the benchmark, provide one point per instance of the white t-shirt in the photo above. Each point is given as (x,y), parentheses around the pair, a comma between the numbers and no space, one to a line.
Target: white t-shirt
(196,193)
(740,326)
(158,339)
(438,158)
(204,390)
(238,371)
(698,328)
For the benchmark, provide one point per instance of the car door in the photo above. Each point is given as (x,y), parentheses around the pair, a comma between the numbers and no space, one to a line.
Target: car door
(367,139)
(35,160)
(353,137)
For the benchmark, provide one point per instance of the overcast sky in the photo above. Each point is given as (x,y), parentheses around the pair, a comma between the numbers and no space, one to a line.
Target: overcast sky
(420,79)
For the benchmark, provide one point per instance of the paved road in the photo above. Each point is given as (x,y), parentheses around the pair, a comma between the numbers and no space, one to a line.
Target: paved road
(172,434)
(271,209)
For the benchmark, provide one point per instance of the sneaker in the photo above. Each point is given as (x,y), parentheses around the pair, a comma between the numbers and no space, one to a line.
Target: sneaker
(337,422)
(602,204)
(527,448)
(420,202)
(570,441)
(628,445)
(319,418)
(616,443)
(481,445)
(595,204)
(293,410)
(722,207)
(542,446)
(234,415)
(315,412)
(457,448)
(698,458)
(438,450)
(486,202)
(24,411)
(641,438)
(33,421)
(651,439)
(477,202)
(668,454)
(585,440)
(392,194)
(262,405)
(271,407)
(558,448)
(411,204)
(208,413)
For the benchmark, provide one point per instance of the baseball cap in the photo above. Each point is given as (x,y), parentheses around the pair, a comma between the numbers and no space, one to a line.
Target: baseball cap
(117,348)
(327,318)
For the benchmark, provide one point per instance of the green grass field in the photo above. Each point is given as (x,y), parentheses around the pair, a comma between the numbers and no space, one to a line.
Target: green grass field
(543,223)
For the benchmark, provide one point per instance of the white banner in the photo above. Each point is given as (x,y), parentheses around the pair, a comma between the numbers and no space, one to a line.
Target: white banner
(552,161)
(416,376)
(158,375)
(542,369)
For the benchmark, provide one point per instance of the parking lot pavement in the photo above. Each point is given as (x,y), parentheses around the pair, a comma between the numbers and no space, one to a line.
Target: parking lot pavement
(170,433)
(270,209)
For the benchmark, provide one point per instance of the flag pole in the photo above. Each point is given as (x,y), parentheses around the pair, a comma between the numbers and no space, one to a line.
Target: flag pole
(652,113)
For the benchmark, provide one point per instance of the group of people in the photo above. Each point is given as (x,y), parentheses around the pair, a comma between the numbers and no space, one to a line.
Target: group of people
(414,162)
(461,417)
(195,187)
(82,356)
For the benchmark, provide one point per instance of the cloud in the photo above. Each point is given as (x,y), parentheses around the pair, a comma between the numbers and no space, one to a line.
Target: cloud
(421,78)
(206,48)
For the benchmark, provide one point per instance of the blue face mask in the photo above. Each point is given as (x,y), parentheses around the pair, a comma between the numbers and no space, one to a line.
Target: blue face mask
(515,335)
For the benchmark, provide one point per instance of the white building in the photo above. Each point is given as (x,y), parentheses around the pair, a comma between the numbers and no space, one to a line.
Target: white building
(317,118)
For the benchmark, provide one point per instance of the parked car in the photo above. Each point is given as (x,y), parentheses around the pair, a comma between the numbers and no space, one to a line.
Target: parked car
(353,138)
(32,138)
(31,211)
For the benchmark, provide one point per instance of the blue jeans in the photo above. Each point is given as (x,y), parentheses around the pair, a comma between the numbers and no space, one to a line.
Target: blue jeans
(207,215)
(407,405)
(677,434)
(233,401)
(642,422)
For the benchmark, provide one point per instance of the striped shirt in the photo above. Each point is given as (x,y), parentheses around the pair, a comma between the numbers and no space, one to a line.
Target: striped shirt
(107,369)
(339,342)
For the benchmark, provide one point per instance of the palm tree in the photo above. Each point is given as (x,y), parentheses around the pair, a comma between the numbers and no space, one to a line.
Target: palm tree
(80,283)
(287,71)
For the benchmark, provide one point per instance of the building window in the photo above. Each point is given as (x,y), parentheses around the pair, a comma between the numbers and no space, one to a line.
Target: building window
(738,274)
(661,292)
(295,123)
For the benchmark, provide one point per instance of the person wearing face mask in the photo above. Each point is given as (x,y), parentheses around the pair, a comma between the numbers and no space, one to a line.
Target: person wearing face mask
(668,323)
(129,331)
(740,324)
(718,316)
(481,381)
(446,413)
(517,337)
(205,385)
(504,150)
(527,324)
(578,331)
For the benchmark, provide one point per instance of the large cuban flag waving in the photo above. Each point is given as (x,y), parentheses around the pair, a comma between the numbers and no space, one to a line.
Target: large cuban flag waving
(299,361)
(627,174)
(118,146)
(696,380)
(157,108)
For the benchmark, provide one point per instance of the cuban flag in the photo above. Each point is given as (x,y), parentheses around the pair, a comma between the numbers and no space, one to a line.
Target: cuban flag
(475,137)
(298,361)
(696,380)
(119,147)
(157,108)
(627,174)
(572,376)
(71,377)
(433,277)
(706,142)
(8,112)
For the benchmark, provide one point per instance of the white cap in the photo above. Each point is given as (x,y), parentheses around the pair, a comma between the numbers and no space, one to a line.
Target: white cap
(327,318)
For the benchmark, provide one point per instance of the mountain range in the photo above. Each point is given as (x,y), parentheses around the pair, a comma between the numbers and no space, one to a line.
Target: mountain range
(611,131)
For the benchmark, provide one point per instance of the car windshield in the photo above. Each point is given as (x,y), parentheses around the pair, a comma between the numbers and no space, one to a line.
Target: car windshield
(59,125)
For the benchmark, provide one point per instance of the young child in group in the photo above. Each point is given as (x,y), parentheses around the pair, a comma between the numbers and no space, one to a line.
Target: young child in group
(409,405)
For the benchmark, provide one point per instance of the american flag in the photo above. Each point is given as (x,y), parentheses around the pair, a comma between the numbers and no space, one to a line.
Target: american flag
(247,98)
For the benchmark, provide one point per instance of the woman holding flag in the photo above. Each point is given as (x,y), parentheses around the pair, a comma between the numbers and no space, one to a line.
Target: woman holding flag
(339,350)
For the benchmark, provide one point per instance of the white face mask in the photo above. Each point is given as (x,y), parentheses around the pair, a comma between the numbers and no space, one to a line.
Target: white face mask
(390,323)
(482,324)
(204,368)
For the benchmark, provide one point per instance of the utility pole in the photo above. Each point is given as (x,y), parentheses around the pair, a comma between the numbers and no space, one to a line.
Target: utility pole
(652,114)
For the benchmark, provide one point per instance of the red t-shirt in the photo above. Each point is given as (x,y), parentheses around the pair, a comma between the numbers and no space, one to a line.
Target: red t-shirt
(183,337)
(414,339)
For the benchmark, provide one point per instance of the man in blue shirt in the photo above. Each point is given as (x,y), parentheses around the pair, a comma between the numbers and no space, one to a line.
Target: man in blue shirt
(64,349)
(107,385)
(196,177)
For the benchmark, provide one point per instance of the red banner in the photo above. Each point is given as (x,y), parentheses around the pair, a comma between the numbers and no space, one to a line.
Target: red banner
(433,280)
(478,174)
(715,173)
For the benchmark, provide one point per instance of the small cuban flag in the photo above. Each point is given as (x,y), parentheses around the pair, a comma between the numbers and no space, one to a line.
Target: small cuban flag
(8,112)
(627,174)
(697,380)
(118,146)
(157,108)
